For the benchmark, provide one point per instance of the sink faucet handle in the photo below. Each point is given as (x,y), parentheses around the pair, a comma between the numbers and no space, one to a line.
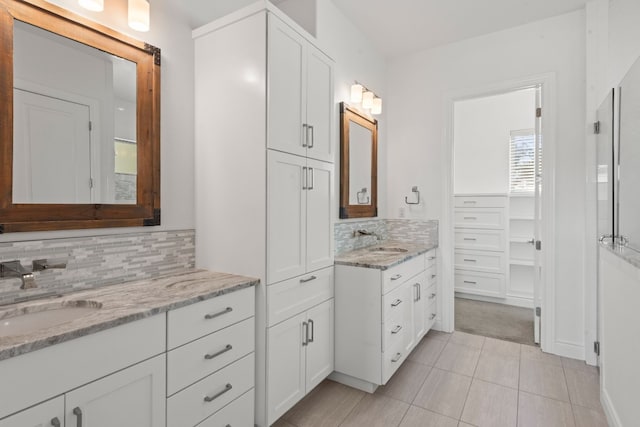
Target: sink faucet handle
(28,281)
(45,264)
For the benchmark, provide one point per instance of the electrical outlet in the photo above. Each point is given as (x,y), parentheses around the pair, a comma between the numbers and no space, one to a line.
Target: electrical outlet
(402,212)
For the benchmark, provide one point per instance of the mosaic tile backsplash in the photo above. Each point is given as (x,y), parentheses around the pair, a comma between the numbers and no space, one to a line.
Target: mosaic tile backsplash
(404,230)
(97,261)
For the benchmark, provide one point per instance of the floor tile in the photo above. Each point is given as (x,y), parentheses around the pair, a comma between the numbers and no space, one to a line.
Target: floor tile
(418,417)
(543,379)
(498,370)
(327,405)
(464,338)
(491,405)
(444,336)
(444,392)
(529,352)
(282,423)
(458,358)
(578,365)
(462,424)
(375,410)
(501,348)
(427,351)
(538,411)
(586,417)
(584,388)
(406,382)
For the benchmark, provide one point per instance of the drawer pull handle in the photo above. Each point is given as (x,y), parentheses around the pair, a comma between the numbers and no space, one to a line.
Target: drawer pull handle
(432,296)
(418,296)
(472,239)
(470,217)
(312,330)
(396,303)
(470,260)
(305,340)
(431,258)
(78,413)
(308,279)
(398,357)
(433,276)
(433,316)
(469,201)
(214,315)
(396,329)
(55,422)
(214,355)
(471,282)
(396,277)
(217,395)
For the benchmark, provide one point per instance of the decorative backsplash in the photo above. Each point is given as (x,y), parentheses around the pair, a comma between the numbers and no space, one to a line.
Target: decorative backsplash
(404,230)
(97,261)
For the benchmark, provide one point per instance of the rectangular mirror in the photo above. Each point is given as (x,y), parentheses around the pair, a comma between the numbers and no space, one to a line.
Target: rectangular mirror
(359,164)
(80,114)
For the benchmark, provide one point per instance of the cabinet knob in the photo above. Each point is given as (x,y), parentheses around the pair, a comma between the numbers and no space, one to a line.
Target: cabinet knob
(55,422)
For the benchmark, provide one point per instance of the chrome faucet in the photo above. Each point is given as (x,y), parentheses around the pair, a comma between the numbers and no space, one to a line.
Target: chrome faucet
(10,269)
(363,232)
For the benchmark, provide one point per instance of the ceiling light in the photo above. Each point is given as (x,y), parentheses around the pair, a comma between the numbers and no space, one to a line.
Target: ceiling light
(139,15)
(93,5)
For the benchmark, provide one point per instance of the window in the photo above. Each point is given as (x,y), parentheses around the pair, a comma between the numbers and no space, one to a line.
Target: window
(522,153)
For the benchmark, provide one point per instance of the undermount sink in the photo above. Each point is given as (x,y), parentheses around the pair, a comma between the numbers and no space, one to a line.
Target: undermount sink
(387,249)
(42,316)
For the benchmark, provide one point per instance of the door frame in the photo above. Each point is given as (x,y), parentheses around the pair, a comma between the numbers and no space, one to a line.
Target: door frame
(547,83)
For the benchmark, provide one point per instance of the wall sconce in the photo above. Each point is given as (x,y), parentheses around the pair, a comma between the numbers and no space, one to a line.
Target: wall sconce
(368,100)
(138,15)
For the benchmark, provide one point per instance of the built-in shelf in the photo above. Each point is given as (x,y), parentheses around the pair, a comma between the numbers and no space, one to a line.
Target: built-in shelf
(523,262)
(520,239)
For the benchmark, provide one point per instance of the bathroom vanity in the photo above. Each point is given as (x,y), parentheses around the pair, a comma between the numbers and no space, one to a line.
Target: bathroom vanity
(176,351)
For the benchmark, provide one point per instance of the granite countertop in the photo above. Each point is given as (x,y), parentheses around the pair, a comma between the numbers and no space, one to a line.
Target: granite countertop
(368,258)
(118,304)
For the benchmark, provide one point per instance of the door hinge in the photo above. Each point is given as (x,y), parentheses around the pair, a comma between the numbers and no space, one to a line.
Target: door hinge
(596,127)
(538,245)
(538,112)
(596,347)
(538,311)
(90,182)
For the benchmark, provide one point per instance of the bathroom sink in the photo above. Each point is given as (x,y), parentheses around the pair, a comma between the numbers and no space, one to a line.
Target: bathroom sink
(387,249)
(33,318)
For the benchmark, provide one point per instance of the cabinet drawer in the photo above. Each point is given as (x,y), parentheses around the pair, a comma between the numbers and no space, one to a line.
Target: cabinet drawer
(480,218)
(192,322)
(237,413)
(430,259)
(480,201)
(195,403)
(489,262)
(487,240)
(431,315)
(397,275)
(191,362)
(431,295)
(293,296)
(391,360)
(393,332)
(395,303)
(480,283)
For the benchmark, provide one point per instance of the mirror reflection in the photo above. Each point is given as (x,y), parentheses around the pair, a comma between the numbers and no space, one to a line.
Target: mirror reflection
(74,122)
(359,165)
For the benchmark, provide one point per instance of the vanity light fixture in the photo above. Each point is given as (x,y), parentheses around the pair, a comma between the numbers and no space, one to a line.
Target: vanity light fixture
(139,15)
(93,5)
(356,93)
(376,106)
(366,98)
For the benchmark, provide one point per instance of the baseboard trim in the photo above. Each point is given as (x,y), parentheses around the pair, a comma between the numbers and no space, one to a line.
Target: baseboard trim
(568,349)
(509,300)
(353,382)
(609,410)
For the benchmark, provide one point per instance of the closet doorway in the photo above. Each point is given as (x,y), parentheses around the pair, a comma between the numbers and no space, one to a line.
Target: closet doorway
(497,221)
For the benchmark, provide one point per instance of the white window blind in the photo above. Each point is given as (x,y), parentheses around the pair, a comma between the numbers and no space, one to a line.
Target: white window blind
(522,157)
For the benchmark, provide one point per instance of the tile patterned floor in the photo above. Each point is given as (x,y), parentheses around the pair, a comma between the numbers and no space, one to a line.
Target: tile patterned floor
(463,380)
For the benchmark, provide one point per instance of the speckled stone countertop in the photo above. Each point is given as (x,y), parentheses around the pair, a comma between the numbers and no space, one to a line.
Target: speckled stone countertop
(118,304)
(630,255)
(370,258)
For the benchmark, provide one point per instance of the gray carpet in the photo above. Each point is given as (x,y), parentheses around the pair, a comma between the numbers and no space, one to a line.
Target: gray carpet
(500,321)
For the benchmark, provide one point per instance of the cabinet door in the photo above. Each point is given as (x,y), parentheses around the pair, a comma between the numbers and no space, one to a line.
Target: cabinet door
(286,94)
(285,365)
(134,397)
(286,219)
(320,347)
(319,105)
(419,287)
(319,215)
(47,414)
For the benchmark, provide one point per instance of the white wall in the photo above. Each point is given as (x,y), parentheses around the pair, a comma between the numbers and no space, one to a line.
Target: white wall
(170,32)
(481,135)
(417,88)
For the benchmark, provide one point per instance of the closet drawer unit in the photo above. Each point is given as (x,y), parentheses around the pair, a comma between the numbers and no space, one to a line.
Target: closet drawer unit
(486,240)
(206,397)
(391,360)
(480,201)
(480,283)
(394,305)
(399,274)
(489,262)
(492,218)
(191,362)
(189,323)
(293,296)
(237,413)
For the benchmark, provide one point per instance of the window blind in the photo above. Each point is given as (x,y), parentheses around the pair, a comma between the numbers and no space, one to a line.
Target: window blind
(522,158)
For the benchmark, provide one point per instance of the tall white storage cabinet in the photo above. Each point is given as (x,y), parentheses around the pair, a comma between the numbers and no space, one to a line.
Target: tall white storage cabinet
(265,189)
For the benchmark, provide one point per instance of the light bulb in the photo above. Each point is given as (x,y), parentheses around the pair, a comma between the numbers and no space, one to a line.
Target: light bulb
(356,93)
(376,107)
(93,5)
(367,99)
(139,15)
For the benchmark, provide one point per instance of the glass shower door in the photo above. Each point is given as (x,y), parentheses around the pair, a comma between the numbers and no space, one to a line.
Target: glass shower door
(605,179)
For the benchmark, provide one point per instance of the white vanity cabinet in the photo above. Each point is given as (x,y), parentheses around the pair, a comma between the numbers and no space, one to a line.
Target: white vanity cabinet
(46,414)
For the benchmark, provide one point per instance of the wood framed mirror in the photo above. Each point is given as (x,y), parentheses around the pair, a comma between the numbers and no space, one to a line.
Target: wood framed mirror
(79,122)
(358,164)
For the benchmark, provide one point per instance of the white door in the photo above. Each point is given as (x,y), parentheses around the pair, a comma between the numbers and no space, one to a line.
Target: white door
(420,298)
(52,155)
(286,350)
(134,397)
(287,184)
(286,93)
(537,275)
(47,414)
(319,105)
(319,249)
(320,347)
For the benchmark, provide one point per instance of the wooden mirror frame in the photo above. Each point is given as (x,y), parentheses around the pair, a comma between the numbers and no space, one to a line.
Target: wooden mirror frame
(348,115)
(37,217)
